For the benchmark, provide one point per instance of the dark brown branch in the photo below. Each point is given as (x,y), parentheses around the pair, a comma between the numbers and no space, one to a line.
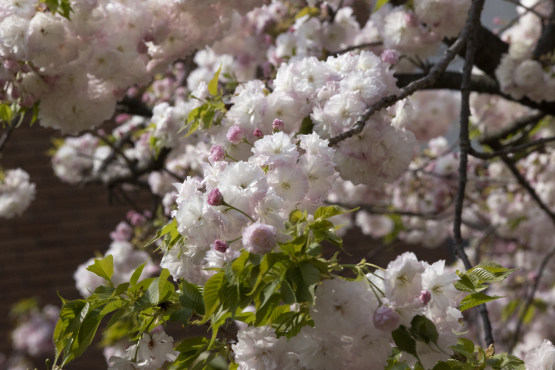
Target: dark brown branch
(479,83)
(427,81)
(133,106)
(526,185)
(489,50)
(472,25)
(154,164)
(530,298)
(509,150)
(354,47)
(6,135)
(518,124)
(531,10)
(546,43)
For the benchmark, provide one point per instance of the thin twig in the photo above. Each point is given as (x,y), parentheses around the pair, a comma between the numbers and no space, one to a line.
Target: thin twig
(354,47)
(510,150)
(6,136)
(410,89)
(528,9)
(173,174)
(472,24)
(530,298)
(518,124)
(526,185)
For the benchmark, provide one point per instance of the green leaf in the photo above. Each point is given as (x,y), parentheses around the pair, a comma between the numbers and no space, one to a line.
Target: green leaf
(211,294)
(265,311)
(404,341)
(191,297)
(6,113)
(311,11)
(159,288)
(104,267)
(423,329)
(442,366)
(104,292)
(307,126)
(295,216)
(287,293)
(327,212)
(379,4)
(475,299)
(311,275)
(314,249)
(213,84)
(239,264)
(182,315)
(137,274)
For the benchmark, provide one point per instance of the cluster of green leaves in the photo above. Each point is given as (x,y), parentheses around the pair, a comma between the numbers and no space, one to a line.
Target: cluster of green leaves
(473,357)
(10,111)
(211,112)
(144,303)
(63,7)
(421,330)
(477,279)
(136,307)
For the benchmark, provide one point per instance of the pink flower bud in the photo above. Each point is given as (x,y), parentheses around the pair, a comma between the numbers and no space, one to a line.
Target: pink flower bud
(28,101)
(215,198)
(267,69)
(278,124)
(258,133)
(122,233)
(121,118)
(411,20)
(217,153)
(390,56)
(386,319)
(425,297)
(259,238)
(220,246)
(135,218)
(235,134)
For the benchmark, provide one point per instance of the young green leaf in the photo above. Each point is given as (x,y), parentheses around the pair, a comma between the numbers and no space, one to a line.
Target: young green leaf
(213,84)
(476,299)
(104,267)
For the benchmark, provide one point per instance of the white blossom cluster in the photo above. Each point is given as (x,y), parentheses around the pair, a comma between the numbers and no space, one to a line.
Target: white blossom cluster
(352,327)
(75,158)
(519,74)
(16,192)
(294,177)
(33,334)
(541,357)
(150,353)
(78,69)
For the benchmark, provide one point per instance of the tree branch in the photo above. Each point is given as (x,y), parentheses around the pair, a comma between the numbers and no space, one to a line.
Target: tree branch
(546,43)
(6,135)
(479,83)
(518,124)
(134,106)
(526,185)
(354,47)
(530,298)
(489,50)
(472,27)
(412,87)
(509,150)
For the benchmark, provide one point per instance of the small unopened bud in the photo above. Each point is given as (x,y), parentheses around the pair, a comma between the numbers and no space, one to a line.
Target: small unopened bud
(28,101)
(278,124)
(425,297)
(215,198)
(217,153)
(390,56)
(220,246)
(258,133)
(135,218)
(235,134)
(259,238)
(386,319)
